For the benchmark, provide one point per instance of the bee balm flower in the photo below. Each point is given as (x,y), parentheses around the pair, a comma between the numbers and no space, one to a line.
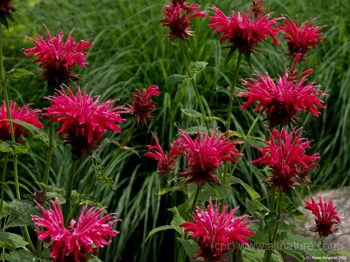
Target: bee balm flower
(166,163)
(300,39)
(257,8)
(282,100)
(285,155)
(326,216)
(58,58)
(142,105)
(79,240)
(217,233)
(6,10)
(23,114)
(177,18)
(243,32)
(83,119)
(205,155)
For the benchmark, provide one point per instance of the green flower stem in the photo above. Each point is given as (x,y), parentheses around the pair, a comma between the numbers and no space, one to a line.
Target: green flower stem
(4,170)
(272,237)
(49,154)
(232,92)
(13,139)
(72,175)
(195,200)
(229,109)
(194,84)
(245,144)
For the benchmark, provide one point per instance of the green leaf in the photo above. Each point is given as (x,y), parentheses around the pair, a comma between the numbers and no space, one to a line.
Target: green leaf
(341,252)
(293,253)
(198,66)
(6,210)
(252,193)
(190,246)
(158,229)
(94,259)
(166,190)
(217,118)
(17,73)
(256,208)
(20,185)
(36,132)
(11,241)
(22,256)
(21,211)
(10,147)
(257,255)
(298,242)
(177,220)
(194,130)
(54,192)
(191,113)
(97,165)
(175,79)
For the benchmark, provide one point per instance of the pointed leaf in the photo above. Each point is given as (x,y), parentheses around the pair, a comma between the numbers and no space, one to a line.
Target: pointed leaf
(198,66)
(36,132)
(17,73)
(175,79)
(158,229)
(11,241)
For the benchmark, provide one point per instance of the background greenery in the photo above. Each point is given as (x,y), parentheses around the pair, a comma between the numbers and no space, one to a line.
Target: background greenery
(129,52)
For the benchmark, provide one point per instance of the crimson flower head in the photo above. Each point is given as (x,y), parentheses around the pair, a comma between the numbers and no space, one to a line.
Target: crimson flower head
(300,39)
(177,18)
(205,155)
(83,119)
(58,58)
(217,233)
(23,114)
(142,105)
(243,32)
(285,155)
(282,100)
(6,10)
(257,8)
(326,216)
(183,4)
(166,162)
(80,239)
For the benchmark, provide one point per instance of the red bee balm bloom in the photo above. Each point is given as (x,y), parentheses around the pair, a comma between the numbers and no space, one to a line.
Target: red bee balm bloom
(17,113)
(83,120)
(300,40)
(216,233)
(243,32)
(58,58)
(166,163)
(283,99)
(183,4)
(285,155)
(257,8)
(6,8)
(178,19)
(326,216)
(78,241)
(205,156)
(142,105)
